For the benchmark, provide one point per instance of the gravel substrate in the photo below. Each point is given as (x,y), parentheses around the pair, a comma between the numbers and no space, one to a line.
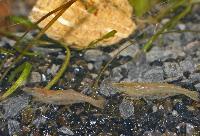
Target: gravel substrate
(174,58)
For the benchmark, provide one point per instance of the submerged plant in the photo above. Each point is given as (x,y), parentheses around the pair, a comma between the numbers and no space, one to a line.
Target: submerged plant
(26,69)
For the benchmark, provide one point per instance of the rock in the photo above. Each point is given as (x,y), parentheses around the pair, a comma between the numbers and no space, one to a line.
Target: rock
(135,72)
(154,74)
(192,47)
(66,131)
(44,78)
(45,51)
(106,89)
(195,77)
(116,73)
(53,70)
(181,26)
(154,108)
(90,66)
(97,65)
(121,71)
(174,113)
(168,133)
(61,56)
(186,82)
(172,39)
(129,51)
(14,105)
(158,54)
(187,127)
(93,55)
(152,133)
(172,70)
(6,40)
(126,109)
(13,127)
(197,86)
(187,37)
(35,77)
(97,57)
(187,66)
(38,121)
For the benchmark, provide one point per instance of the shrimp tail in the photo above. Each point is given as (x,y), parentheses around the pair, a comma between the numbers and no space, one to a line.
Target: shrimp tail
(193,95)
(99,103)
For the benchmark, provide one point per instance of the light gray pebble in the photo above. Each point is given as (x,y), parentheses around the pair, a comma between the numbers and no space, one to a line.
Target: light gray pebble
(53,70)
(90,66)
(159,54)
(35,77)
(44,78)
(1,44)
(106,89)
(130,51)
(66,131)
(7,40)
(154,108)
(135,73)
(181,26)
(174,113)
(38,121)
(194,77)
(191,36)
(44,51)
(186,82)
(192,47)
(155,74)
(97,57)
(187,65)
(168,133)
(13,127)
(97,65)
(152,133)
(61,56)
(116,73)
(172,70)
(94,55)
(14,105)
(122,71)
(126,109)
(197,86)
(173,39)
(190,129)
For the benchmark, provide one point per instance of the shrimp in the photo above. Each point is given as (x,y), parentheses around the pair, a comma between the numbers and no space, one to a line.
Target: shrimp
(153,90)
(62,97)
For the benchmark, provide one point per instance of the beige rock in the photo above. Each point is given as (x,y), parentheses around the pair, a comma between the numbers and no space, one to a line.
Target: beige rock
(78,27)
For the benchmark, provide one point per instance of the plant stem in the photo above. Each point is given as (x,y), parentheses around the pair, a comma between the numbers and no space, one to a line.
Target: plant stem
(62,69)
(168,25)
(64,8)
(22,78)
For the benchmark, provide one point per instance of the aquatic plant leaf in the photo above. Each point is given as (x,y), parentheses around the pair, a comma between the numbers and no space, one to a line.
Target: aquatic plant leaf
(141,6)
(60,10)
(6,51)
(62,69)
(104,37)
(22,78)
(168,25)
(22,21)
